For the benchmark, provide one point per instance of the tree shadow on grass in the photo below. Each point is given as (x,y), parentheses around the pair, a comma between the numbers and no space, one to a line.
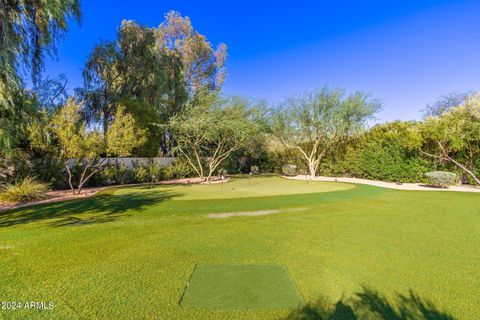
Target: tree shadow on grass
(369,304)
(101,208)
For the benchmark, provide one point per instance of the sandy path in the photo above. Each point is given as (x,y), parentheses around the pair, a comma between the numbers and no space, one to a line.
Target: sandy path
(391,185)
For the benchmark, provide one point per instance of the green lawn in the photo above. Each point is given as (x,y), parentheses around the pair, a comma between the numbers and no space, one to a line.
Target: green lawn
(357,252)
(241,286)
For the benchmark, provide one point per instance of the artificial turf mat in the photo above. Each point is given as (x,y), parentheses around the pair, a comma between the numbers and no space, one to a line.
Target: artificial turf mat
(241,287)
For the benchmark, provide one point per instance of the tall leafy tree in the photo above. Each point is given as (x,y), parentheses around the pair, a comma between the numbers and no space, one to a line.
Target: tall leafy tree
(29,29)
(130,72)
(65,133)
(314,122)
(158,68)
(203,66)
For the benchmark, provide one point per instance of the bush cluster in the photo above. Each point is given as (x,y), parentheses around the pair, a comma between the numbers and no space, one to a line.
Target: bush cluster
(289,170)
(441,179)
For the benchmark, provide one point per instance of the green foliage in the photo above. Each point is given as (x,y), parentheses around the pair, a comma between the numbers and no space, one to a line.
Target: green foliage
(140,174)
(453,137)
(382,153)
(289,170)
(441,179)
(315,122)
(152,72)
(446,102)
(210,129)
(74,141)
(26,190)
(203,67)
(49,169)
(117,173)
(123,136)
(16,167)
(178,170)
(28,30)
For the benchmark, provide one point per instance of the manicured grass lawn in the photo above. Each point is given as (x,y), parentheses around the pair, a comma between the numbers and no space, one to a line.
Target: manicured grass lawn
(241,287)
(354,253)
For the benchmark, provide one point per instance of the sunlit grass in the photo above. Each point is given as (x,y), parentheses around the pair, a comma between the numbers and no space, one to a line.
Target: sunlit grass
(129,254)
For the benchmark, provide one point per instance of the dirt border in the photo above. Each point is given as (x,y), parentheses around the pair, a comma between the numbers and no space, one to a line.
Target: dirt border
(65,195)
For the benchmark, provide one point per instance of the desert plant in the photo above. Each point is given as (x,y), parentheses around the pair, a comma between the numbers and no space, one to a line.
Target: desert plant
(26,190)
(289,170)
(441,179)
(140,174)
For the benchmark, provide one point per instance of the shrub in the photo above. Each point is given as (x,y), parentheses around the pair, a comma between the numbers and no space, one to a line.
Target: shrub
(178,170)
(289,170)
(27,190)
(155,171)
(140,174)
(117,173)
(441,179)
(50,169)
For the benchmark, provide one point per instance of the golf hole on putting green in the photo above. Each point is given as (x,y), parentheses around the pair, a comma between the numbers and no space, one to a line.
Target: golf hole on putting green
(241,287)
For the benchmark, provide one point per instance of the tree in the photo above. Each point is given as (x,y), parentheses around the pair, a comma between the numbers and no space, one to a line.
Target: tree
(203,67)
(316,121)
(447,102)
(129,71)
(28,30)
(155,68)
(210,129)
(74,141)
(52,93)
(453,137)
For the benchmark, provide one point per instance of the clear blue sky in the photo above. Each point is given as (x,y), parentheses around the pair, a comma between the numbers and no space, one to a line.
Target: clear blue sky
(406,53)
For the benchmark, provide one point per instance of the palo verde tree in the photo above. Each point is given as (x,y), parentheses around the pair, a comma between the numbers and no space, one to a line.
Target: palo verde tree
(453,137)
(75,142)
(314,122)
(210,129)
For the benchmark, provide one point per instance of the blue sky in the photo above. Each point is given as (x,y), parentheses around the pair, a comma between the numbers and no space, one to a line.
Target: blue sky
(405,53)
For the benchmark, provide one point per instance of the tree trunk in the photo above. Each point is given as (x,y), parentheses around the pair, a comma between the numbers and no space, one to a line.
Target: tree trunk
(469,172)
(312,168)
(69,176)
(455,162)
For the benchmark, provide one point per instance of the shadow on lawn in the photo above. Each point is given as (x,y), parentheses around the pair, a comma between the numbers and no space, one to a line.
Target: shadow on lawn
(101,208)
(369,304)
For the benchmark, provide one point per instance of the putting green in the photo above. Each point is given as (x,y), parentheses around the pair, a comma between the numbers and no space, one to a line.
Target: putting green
(241,287)
(362,253)
(240,188)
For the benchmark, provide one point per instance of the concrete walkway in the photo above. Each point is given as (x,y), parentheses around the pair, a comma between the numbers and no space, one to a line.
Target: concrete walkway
(391,185)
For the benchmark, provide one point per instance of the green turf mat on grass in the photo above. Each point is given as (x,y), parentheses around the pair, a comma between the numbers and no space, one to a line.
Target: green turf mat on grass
(241,287)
